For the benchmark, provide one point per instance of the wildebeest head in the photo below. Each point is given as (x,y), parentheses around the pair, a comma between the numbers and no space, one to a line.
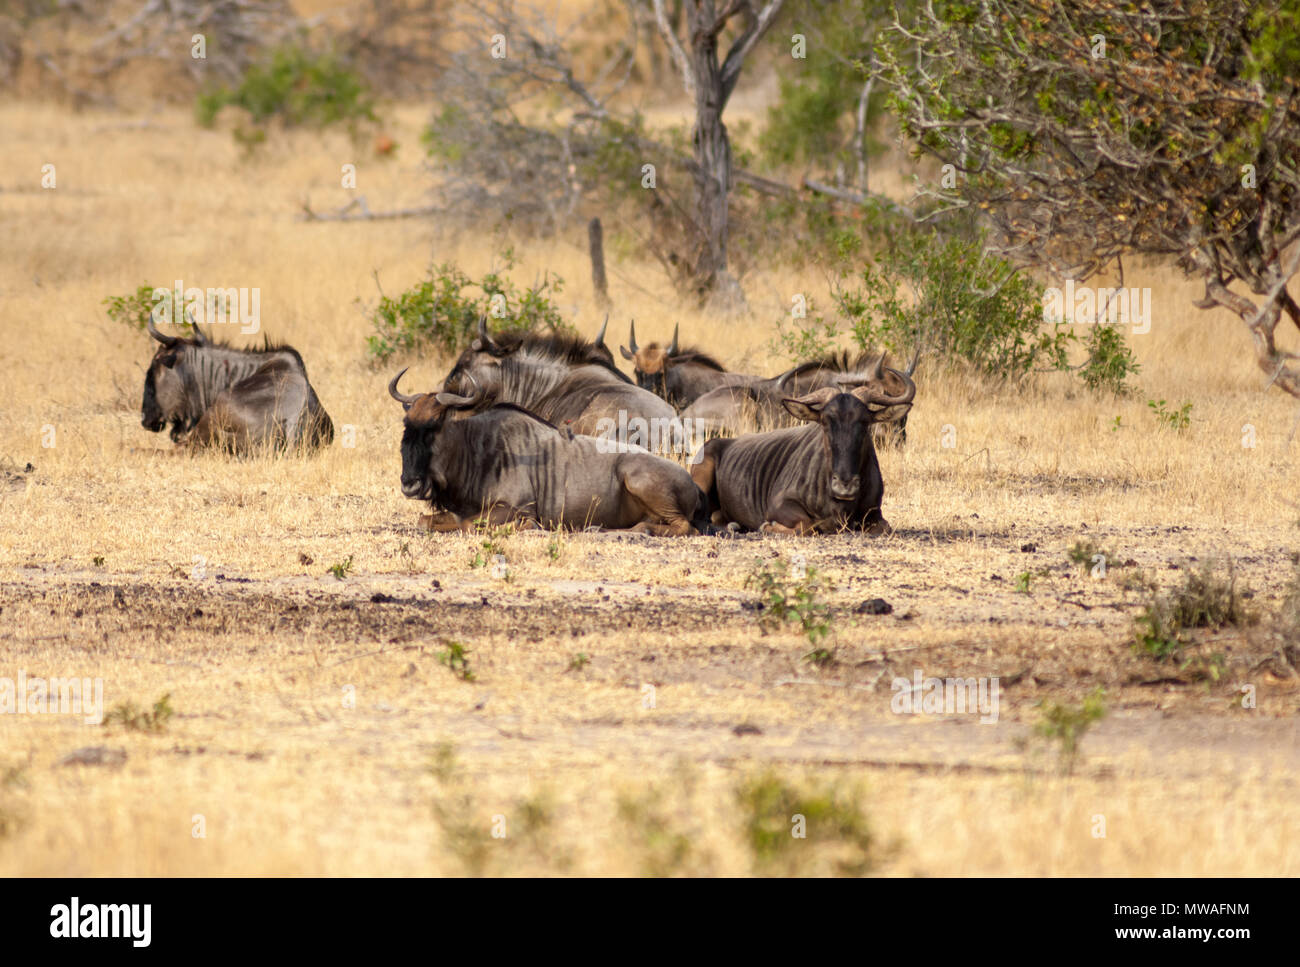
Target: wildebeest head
(846,374)
(426,415)
(538,361)
(845,414)
(650,364)
(167,384)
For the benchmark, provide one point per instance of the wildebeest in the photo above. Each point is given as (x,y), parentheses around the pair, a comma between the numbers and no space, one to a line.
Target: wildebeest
(504,464)
(729,407)
(818,477)
(235,399)
(680,376)
(566,381)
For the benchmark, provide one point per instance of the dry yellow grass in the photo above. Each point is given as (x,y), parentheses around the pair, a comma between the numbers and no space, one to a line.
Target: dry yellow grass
(101,541)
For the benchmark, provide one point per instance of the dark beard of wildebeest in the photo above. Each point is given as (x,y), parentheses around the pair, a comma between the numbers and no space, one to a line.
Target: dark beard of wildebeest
(565,381)
(233,399)
(728,407)
(823,476)
(506,465)
(680,376)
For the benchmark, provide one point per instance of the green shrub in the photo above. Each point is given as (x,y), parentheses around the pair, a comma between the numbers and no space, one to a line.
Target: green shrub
(132,309)
(794,831)
(1206,600)
(439,314)
(299,86)
(941,293)
(964,307)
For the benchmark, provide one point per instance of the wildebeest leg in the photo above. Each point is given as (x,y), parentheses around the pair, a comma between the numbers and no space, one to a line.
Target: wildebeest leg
(705,474)
(443,521)
(218,427)
(875,524)
(788,518)
(669,509)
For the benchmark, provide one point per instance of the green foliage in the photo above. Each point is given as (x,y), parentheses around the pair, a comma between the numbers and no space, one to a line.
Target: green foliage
(832,819)
(132,309)
(456,658)
(297,86)
(441,312)
(1205,600)
(579,661)
(964,306)
(1067,724)
(1110,362)
(664,848)
(812,119)
(492,542)
(1083,554)
(136,719)
(785,599)
(1178,419)
(342,569)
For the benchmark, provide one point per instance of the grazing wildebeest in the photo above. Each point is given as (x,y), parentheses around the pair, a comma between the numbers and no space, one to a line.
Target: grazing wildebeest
(680,376)
(567,382)
(235,399)
(818,477)
(729,407)
(505,464)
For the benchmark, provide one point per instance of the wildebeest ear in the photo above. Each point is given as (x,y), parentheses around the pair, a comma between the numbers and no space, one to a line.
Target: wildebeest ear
(168,360)
(809,408)
(627,353)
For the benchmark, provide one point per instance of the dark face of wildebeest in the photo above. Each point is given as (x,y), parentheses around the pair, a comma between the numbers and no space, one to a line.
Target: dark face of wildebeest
(845,422)
(426,414)
(680,376)
(650,364)
(167,398)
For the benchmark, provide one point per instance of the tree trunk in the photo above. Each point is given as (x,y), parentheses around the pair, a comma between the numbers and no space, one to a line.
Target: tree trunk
(713,163)
(596,243)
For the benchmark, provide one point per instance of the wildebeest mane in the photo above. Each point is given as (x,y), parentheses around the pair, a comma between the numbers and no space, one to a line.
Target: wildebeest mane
(561,347)
(691,355)
(840,362)
(520,409)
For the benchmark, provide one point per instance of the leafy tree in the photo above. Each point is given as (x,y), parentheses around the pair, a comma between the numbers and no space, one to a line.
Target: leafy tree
(1088,130)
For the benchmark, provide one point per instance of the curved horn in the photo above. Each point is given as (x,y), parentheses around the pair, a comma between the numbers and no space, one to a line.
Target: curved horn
(405,400)
(869,394)
(878,370)
(672,350)
(631,338)
(911,367)
(784,377)
(483,334)
(195,333)
(168,341)
(600,336)
(456,401)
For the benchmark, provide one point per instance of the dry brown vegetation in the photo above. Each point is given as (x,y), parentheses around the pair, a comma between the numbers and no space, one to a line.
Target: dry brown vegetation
(318,726)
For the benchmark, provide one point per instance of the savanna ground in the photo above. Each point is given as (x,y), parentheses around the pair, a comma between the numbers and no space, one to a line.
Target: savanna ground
(626,714)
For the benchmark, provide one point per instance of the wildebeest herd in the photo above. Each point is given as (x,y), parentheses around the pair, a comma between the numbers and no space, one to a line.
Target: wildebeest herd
(547,431)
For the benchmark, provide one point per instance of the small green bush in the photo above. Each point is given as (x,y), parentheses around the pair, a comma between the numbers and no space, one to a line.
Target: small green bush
(440,313)
(299,86)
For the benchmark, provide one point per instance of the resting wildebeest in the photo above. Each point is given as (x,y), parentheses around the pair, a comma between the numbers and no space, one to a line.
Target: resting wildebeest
(566,381)
(680,376)
(504,464)
(729,407)
(236,399)
(818,477)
